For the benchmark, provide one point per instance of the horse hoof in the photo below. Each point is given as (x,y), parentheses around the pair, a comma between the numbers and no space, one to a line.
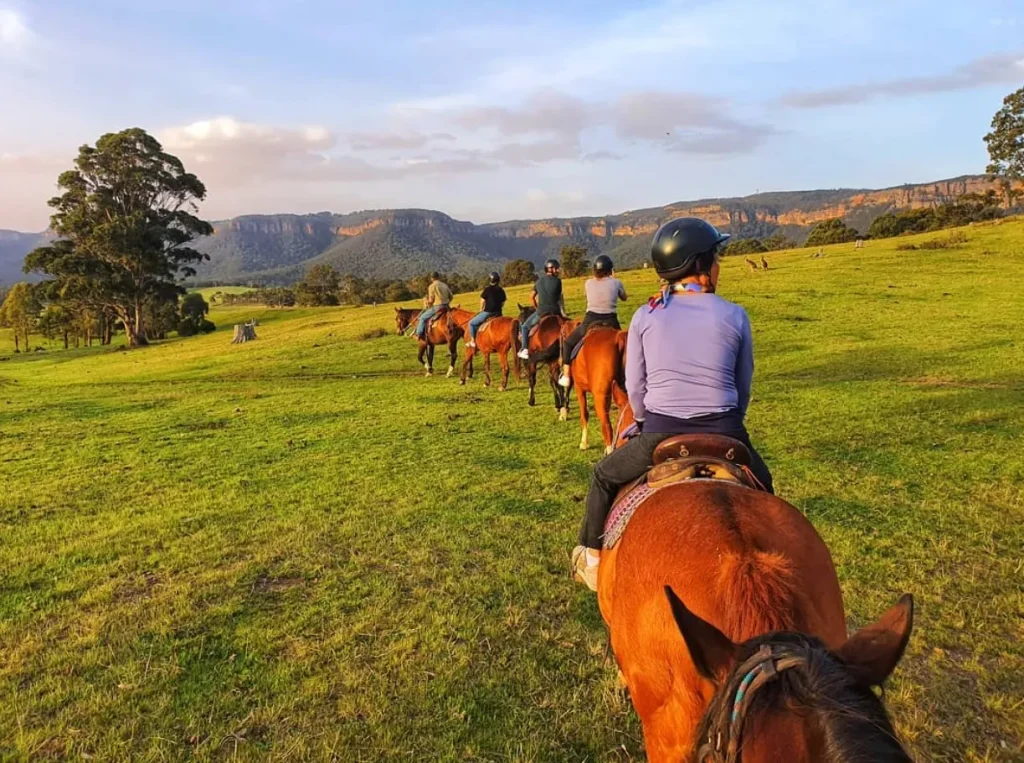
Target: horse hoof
(563,414)
(501,389)
(584,446)
(462,382)
(608,449)
(530,403)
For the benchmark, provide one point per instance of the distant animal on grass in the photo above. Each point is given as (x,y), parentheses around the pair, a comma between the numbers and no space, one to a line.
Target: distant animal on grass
(404,318)
(751,264)
(497,335)
(599,369)
(442,330)
(727,623)
(544,345)
(764,263)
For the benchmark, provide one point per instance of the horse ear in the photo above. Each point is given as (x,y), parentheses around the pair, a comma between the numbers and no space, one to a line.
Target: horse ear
(712,652)
(873,652)
(398,309)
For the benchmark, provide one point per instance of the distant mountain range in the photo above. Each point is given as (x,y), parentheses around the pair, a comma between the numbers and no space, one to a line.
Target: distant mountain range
(400,243)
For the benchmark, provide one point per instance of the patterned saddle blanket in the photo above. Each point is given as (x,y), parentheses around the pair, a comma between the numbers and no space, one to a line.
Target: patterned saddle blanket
(678,459)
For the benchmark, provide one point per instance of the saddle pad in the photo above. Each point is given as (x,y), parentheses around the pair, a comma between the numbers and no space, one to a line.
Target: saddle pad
(621,513)
(577,348)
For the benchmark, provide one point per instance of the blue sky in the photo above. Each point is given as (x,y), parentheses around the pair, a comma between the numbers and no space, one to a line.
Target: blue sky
(494,111)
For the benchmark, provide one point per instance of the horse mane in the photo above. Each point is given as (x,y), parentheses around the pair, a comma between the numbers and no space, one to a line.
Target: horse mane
(853,722)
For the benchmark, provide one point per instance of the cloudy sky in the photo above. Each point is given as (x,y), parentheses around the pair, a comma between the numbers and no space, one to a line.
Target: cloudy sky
(494,111)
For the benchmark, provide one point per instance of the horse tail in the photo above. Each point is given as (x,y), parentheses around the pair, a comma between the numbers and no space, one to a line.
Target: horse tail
(757,590)
(516,345)
(547,355)
(620,369)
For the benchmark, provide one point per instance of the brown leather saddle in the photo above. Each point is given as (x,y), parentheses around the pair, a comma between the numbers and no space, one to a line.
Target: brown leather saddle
(701,456)
(678,459)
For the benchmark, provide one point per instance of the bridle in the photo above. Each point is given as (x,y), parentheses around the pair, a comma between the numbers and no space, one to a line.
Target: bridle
(725,731)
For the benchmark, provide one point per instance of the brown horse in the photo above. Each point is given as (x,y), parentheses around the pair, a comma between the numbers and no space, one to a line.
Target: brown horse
(746,564)
(442,330)
(544,348)
(404,318)
(598,369)
(498,335)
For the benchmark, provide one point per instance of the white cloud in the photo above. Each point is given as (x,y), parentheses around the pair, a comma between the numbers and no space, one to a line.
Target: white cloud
(16,38)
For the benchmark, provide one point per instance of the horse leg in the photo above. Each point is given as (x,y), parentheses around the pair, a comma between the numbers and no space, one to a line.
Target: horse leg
(487,369)
(531,372)
(503,360)
(581,398)
(452,357)
(465,364)
(603,406)
(561,394)
(429,365)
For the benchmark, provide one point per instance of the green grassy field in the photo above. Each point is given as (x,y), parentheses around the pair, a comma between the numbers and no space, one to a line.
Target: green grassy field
(301,549)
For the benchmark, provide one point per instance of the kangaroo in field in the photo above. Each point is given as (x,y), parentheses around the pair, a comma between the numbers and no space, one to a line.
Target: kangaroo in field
(751,264)
(764,263)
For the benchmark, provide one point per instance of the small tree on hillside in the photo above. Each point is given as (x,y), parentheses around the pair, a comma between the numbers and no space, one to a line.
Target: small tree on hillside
(833,231)
(744,246)
(573,260)
(20,311)
(518,272)
(126,218)
(319,287)
(397,292)
(777,241)
(1006,145)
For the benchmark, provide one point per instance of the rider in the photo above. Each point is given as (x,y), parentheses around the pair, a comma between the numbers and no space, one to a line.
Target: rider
(492,300)
(689,365)
(439,296)
(547,298)
(603,294)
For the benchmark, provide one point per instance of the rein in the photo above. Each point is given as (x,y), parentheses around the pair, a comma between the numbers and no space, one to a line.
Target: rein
(760,669)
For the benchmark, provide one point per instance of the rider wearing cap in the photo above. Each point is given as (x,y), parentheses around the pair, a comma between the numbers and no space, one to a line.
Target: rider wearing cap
(547,299)
(492,300)
(603,294)
(689,365)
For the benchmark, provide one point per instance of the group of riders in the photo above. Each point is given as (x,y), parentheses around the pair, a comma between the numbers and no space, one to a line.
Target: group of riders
(689,360)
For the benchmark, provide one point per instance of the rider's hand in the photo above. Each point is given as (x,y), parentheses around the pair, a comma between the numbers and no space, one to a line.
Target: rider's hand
(639,425)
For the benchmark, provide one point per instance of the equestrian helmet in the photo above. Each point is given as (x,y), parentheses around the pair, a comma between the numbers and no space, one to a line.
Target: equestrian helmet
(603,264)
(552,264)
(494,278)
(685,246)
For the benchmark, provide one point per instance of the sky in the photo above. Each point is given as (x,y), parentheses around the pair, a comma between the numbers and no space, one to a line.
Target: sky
(502,110)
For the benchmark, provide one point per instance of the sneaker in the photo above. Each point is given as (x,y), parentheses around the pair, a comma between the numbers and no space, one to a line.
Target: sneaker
(524,354)
(581,571)
(564,380)
(471,343)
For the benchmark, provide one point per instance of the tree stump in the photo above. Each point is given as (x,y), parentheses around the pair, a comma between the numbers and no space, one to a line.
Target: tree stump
(244,332)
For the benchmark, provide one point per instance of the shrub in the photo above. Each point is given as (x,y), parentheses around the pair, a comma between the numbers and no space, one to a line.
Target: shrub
(373,334)
(951,241)
(186,328)
(207,327)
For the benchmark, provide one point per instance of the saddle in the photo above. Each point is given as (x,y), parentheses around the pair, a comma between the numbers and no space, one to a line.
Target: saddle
(440,315)
(679,459)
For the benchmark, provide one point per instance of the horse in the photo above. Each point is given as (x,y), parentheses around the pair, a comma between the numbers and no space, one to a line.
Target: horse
(598,369)
(442,330)
(544,345)
(714,585)
(497,335)
(405,317)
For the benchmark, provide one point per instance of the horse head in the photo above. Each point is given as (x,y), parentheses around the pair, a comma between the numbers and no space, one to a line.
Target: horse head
(525,311)
(786,691)
(402,319)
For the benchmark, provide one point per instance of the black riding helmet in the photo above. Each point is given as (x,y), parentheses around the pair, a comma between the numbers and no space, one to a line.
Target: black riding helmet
(603,264)
(494,278)
(552,264)
(685,246)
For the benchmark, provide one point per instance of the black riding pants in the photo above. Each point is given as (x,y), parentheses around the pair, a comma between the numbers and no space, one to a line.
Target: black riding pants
(632,460)
(589,319)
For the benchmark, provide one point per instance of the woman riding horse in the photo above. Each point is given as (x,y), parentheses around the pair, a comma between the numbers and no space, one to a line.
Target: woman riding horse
(689,365)
(603,292)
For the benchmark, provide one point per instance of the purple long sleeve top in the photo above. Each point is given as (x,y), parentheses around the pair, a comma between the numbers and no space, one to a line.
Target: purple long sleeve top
(690,357)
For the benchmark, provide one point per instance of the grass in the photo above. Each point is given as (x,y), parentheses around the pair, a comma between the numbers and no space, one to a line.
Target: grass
(300,549)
